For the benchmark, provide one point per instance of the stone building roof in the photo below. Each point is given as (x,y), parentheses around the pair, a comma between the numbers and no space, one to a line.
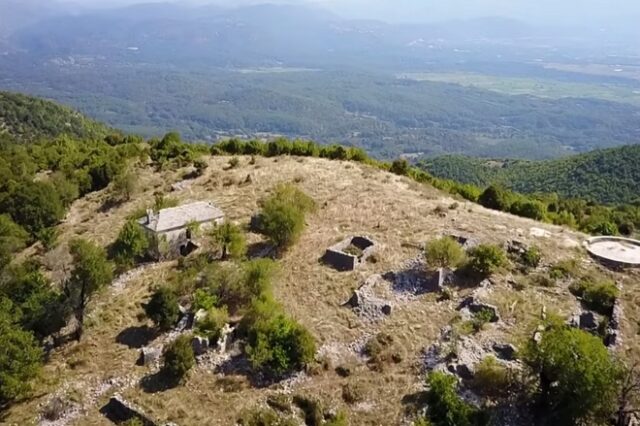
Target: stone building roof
(181,216)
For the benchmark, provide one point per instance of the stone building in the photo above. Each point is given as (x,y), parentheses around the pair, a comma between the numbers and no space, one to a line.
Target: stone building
(174,231)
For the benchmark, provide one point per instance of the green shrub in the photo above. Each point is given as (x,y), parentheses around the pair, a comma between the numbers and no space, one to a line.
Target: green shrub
(444,253)
(492,378)
(276,344)
(340,419)
(179,358)
(283,215)
(496,198)
(486,259)
(163,308)
(204,299)
(20,355)
(480,319)
(212,324)
(234,162)
(532,257)
(531,209)
(312,409)
(400,167)
(12,239)
(131,245)
(265,417)
(230,240)
(578,378)
(565,269)
(444,406)
(599,296)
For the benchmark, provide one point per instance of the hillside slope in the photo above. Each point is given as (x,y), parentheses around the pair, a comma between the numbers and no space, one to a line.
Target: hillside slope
(28,118)
(606,176)
(353,199)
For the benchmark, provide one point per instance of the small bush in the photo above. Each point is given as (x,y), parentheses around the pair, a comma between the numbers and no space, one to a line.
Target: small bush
(311,408)
(283,215)
(444,253)
(213,323)
(486,259)
(276,344)
(265,417)
(599,296)
(179,358)
(204,299)
(234,162)
(230,240)
(131,245)
(565,269)
(496,198)
(163,308)
(445,407)
(532,257)
(400,167)
(352,393)
(492,378)
(480,319)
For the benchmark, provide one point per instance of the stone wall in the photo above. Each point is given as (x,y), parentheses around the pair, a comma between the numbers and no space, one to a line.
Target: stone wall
(343,261)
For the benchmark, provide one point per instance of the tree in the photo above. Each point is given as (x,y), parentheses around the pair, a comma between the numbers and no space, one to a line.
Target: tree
(283,215)
(43,309)
(91,271)
(485,259)
(20,355)
(179,358)
(276,344)
(132,244)
(578,378)
(443,253)
(163,308)
(35,206)
(230,240)
(213,323)
(496,198)
(529,208)
(400,167)
(124,185)
(12,239)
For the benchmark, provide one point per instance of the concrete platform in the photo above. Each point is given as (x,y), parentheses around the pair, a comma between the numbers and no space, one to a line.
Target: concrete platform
(615,250)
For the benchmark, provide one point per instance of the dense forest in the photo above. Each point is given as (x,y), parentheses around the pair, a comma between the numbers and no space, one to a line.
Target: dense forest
(29,118)
(604,176)
(385,115)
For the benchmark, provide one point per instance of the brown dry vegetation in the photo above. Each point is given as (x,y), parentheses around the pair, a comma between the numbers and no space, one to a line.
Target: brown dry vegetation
(353,199)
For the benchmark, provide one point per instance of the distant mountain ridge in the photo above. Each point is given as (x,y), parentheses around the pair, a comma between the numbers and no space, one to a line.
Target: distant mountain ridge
(28,118)
(606,176)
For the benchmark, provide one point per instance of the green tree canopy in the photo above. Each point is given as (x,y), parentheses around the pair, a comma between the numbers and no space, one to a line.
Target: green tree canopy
(578,378)
(91,271)
(444,252)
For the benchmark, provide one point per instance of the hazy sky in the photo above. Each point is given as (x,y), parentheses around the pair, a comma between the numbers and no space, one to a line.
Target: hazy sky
(573,12)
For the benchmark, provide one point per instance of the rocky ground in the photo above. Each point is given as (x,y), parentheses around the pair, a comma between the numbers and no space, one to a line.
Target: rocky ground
(393,295)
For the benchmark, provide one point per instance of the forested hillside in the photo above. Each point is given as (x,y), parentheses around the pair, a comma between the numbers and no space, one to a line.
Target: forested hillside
(28,118)
(605,176)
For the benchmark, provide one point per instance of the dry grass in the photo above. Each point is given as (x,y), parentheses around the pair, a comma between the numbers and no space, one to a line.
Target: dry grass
(353,199)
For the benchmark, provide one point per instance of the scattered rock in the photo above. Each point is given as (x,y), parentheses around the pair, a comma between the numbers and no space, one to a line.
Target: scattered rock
(516,247)
(200,345)
(149,356)
(505,351)
(343,371)
(475,307)
(119,411)
(200,315)
(585,320)
(539,232)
